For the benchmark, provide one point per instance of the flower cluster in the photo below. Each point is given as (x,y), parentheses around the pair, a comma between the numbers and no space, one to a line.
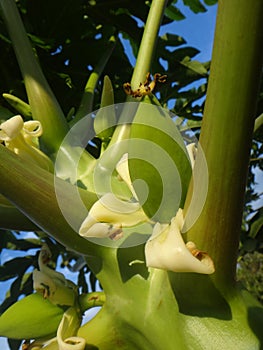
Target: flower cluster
(60,291)
(166,248)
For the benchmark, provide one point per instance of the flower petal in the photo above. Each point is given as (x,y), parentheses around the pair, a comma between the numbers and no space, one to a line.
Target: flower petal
(11,128)
(109,214)
(33,128)
(52,284)
(43,284)
(67,330)
(122,168)
(167,250)
(31,131)
(191,149)
(98,229)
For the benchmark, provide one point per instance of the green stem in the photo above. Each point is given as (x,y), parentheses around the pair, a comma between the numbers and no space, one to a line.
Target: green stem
(86,104)
(12,219)
(226,131)
(89,300)
(31,189)
(143,64)
(44,106)
(148,42)
(139,305)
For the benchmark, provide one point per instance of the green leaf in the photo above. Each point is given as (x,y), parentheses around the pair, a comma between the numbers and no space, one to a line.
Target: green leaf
(210,2)
(21,106)
(169,39)
(14,267)
(195,66)
(174,13)
(256,227)
(180,54)
(191,124)
(195,5)
(30,317)
(40,42)
(158,157)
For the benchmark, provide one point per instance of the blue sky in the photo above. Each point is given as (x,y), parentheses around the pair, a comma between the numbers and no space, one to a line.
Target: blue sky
(198,31)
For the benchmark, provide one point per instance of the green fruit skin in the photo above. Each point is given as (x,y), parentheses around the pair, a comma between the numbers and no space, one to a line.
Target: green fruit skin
(30,317)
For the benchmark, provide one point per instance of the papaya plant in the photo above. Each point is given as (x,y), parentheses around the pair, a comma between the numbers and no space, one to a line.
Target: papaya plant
(129,191)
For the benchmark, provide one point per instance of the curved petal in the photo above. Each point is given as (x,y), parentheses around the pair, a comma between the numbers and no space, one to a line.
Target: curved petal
(31,131)
(43,284)
(167,250)
(11,128)
(109,214)
(67,330)
(122,168)
(52,284)
(22,139)
(99,230)
(33,128)
(191,149)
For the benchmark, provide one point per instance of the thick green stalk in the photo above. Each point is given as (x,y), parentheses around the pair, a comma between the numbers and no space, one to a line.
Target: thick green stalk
(139,305)
(31,189)
(12,219)
(226,132)
(44,106)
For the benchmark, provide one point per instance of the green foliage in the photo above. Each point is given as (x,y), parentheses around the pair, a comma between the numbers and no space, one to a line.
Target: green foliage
(68,56)
(250,273)
(195,5)
(69,38)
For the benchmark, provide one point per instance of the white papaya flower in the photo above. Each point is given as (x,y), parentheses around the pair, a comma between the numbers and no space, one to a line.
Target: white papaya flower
(66,338)
(22,138)
(167,250)
(11,128)
(67,330)
(52,284)
(110,214)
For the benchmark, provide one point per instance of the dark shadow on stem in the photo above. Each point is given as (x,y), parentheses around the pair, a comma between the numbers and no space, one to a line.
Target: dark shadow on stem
(255,320)
(131,260)
(196,295)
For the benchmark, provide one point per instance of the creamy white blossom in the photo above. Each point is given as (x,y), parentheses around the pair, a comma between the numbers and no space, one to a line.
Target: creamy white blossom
(66,338)
(167,250)
(110,214)
(52,284)
(67,330)
(22,139)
